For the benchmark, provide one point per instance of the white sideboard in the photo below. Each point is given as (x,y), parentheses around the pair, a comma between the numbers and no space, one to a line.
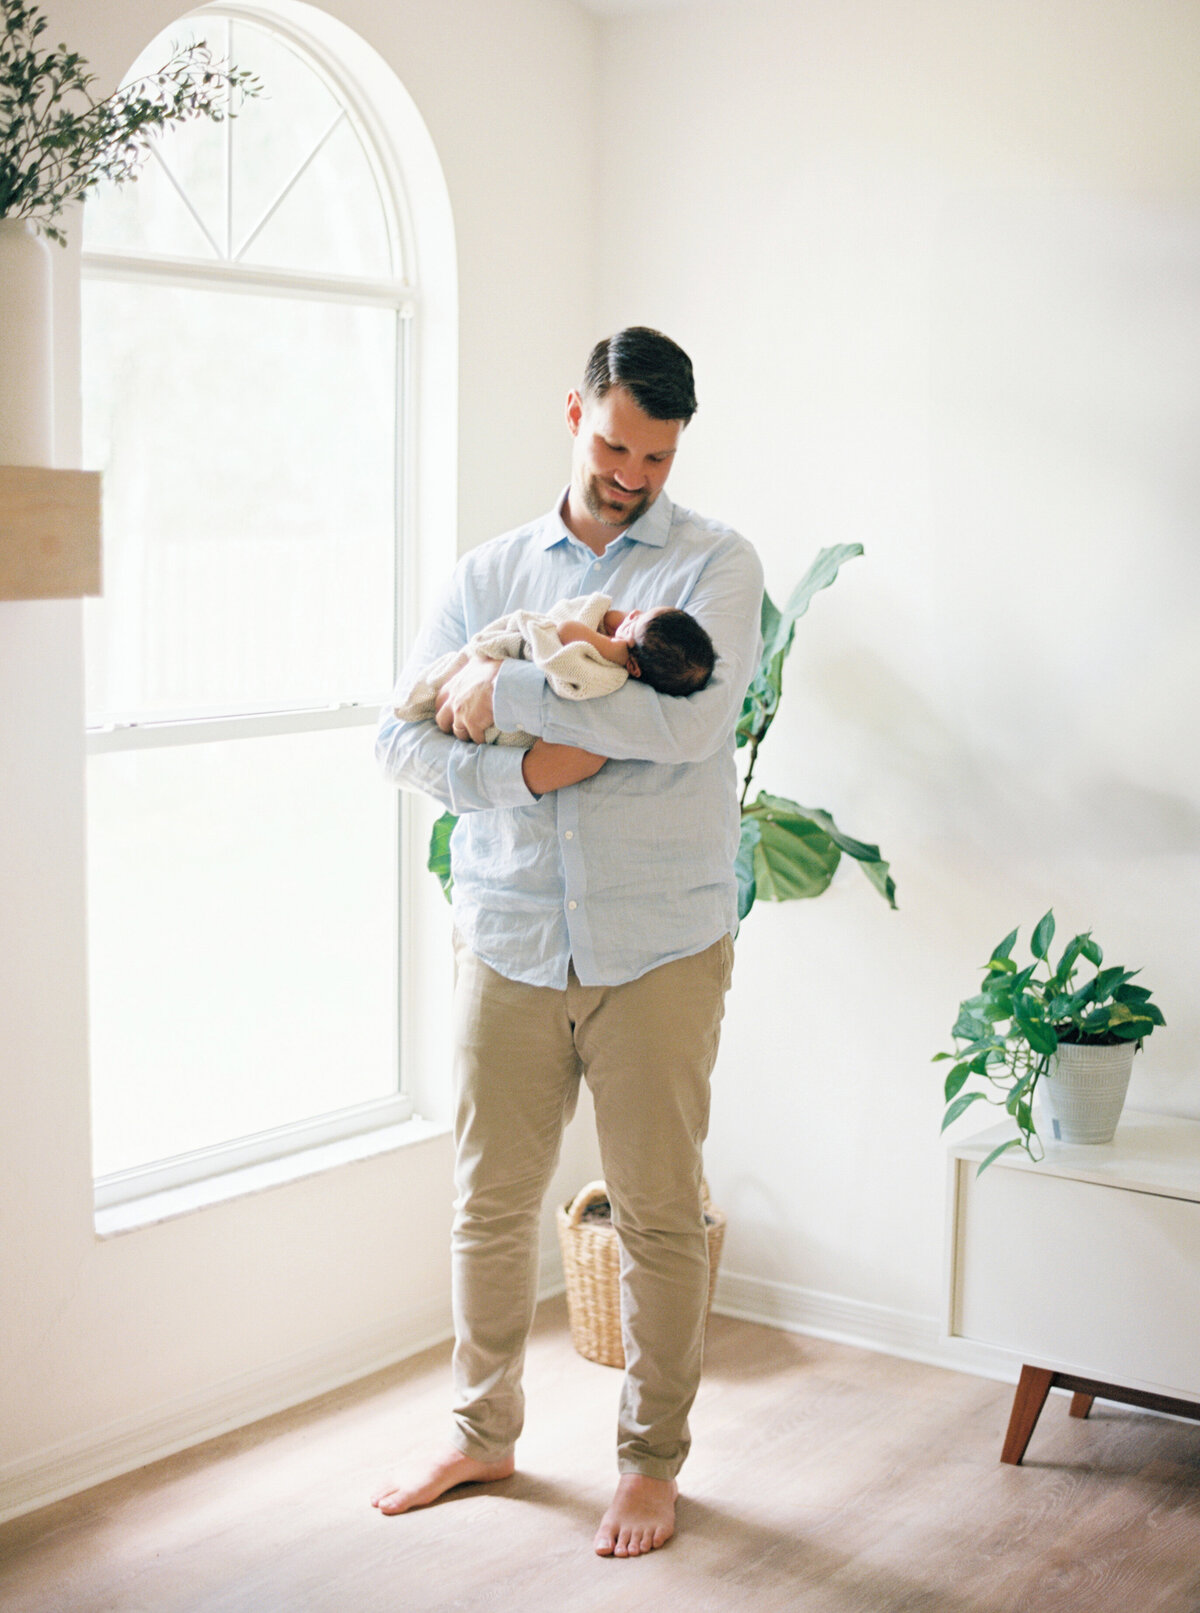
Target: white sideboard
(1087,1263)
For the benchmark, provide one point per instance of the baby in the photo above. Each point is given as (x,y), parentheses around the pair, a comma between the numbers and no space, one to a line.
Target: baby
(666,648)
(585,648)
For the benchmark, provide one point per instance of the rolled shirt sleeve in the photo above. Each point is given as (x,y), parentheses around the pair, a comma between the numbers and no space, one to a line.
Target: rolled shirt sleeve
(418,756)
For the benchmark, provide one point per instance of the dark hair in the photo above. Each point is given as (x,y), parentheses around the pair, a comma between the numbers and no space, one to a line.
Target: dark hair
(650,366)
(673,653)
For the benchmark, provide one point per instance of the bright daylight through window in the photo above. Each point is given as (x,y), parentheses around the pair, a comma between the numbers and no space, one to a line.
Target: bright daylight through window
(245,312)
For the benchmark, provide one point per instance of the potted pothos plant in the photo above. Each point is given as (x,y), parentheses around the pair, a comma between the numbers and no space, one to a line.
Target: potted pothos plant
(57,141)
(1041,1023)
(786,851)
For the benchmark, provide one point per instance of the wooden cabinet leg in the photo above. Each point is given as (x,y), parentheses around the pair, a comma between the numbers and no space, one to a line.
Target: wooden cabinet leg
(1028,1401)
(1081,1404)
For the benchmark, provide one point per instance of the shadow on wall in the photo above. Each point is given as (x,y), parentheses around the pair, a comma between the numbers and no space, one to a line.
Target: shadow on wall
(763,1238)
(971,786)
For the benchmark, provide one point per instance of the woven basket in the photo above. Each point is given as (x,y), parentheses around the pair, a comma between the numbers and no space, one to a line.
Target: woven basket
(591,1258)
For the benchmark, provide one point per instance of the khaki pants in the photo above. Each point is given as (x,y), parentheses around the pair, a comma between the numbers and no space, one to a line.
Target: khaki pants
(646,1050)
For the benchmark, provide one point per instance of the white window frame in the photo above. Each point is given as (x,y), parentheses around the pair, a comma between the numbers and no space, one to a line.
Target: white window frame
(400,296)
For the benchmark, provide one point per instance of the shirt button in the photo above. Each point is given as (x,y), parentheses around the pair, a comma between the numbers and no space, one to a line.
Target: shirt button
(572,905)
(570,835)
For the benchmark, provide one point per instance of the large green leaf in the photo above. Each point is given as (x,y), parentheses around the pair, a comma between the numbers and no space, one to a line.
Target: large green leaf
(761,702)
(793,857)
(960,1105)
(439,851)
(778,630)
(1078,1000)
(1108,980)
(1132,994)
(1013,1142)
(1129,1023)
(793,861)
(1003,952)
(1036,1032)
(819,575)
(867,857)
(1042,936)
(769,620)
(743,866)
(969,1026)
(955,1081)
(1071,955)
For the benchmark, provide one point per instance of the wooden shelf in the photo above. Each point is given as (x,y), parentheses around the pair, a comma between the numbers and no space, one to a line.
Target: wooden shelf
(49,533)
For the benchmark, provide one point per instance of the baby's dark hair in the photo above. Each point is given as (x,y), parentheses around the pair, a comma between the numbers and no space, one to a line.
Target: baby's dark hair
(673,653)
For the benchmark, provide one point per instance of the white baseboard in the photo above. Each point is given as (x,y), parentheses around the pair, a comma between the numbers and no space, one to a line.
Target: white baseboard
(908,1334)
(121,1447)
(106,1453)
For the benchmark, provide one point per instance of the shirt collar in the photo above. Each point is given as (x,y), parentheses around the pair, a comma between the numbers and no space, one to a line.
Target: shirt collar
(652,529)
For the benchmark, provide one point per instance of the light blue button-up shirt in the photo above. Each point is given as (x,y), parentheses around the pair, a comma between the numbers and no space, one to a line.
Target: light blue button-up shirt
(633,867)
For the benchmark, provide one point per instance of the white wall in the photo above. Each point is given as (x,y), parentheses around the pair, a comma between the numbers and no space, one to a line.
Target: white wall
(935,263)
(118,1349)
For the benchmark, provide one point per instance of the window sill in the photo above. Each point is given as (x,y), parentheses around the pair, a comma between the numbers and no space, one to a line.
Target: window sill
(167,1205)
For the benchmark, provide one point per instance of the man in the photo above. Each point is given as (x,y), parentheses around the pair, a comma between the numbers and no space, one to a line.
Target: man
(595,905)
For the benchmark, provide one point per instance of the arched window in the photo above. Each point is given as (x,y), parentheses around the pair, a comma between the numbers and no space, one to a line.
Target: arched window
(247,314)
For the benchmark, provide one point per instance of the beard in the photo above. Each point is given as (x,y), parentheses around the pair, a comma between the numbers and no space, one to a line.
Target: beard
(611,514)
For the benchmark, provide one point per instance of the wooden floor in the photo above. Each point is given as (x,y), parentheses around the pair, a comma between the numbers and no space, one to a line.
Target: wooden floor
(823,1479)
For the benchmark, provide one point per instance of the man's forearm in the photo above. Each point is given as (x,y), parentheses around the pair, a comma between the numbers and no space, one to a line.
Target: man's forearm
(552,767)
(461,776)
(634,723)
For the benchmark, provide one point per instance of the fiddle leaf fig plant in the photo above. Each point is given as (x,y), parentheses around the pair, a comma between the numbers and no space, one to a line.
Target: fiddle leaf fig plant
(1007,1034)
(57,141)
(786,851)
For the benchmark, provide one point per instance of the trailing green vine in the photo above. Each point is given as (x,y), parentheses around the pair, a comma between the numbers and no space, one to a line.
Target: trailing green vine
(1007,1033)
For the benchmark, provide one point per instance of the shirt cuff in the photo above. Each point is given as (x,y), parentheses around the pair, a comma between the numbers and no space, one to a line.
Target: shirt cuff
(503,782)
(517,697)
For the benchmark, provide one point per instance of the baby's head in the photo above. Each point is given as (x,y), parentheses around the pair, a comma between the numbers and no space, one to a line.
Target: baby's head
(668,649)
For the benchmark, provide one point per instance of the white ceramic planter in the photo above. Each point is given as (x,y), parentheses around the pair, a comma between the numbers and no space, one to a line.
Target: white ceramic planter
(1084,1090)
(26,346)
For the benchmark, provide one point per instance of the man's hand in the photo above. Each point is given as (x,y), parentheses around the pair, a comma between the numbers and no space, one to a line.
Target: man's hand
(552,767)
(464,702)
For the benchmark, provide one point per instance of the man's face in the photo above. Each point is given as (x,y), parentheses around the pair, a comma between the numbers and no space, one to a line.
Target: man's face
(621,458)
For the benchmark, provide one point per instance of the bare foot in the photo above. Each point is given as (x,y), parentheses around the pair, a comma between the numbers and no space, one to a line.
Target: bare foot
(444,1472)
(641,1518)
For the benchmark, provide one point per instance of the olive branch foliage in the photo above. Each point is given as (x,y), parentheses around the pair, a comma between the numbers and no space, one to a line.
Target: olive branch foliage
(1007,1033)
(786,851)
(57,141)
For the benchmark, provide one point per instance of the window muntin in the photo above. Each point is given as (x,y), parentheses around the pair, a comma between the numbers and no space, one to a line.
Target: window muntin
(289,183)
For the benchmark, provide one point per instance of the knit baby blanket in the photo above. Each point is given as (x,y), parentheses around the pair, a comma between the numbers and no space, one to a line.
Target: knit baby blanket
(575,671)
